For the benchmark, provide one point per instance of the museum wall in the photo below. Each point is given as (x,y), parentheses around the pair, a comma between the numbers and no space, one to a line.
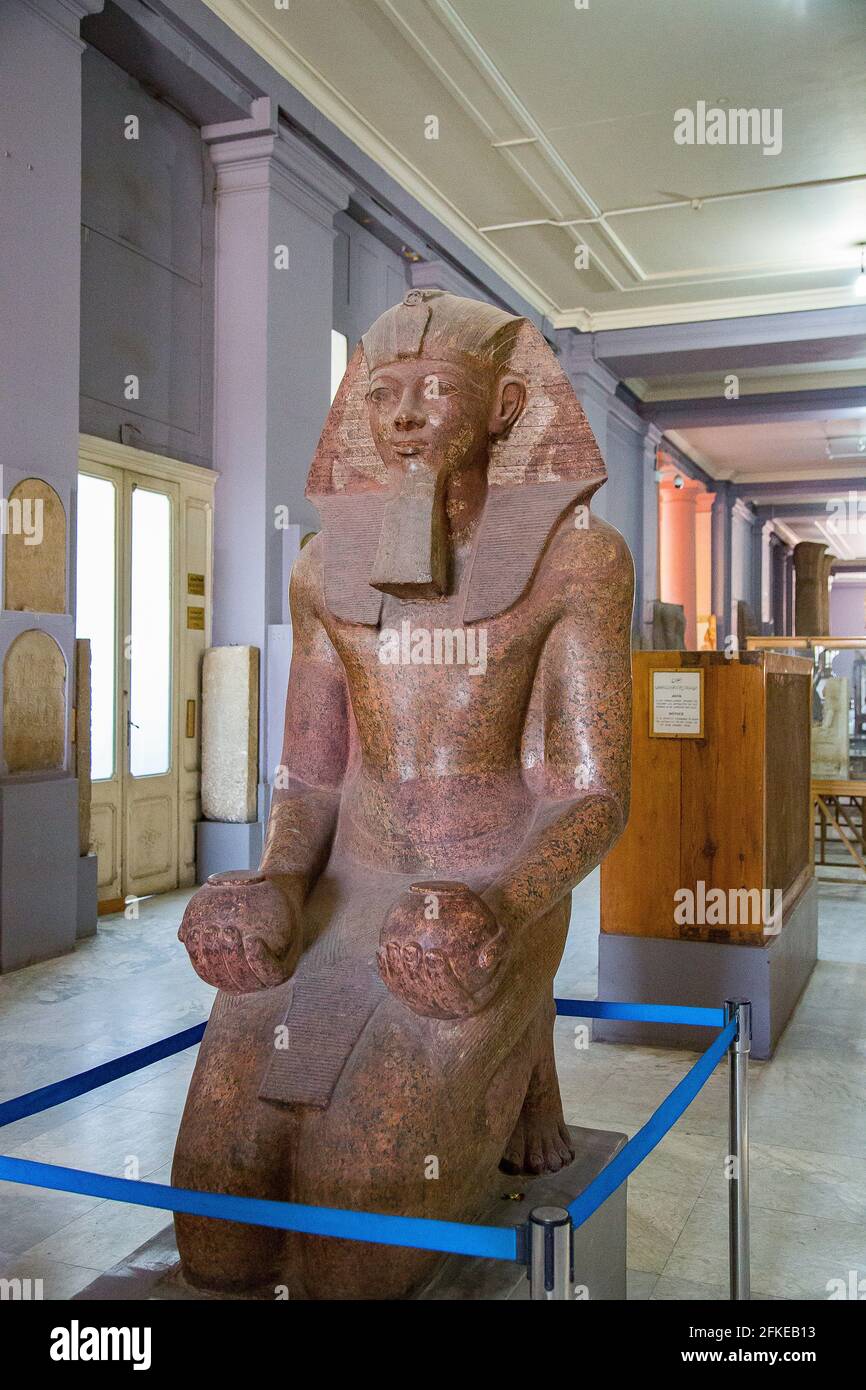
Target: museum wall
(40,75)
(368,278)
(847,609)
(146,269)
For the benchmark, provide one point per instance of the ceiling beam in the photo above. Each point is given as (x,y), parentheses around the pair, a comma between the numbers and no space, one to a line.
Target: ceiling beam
(765,340)
(801,487)
(761,408)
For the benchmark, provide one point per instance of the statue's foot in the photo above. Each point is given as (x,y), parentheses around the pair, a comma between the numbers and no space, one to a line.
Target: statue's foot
(540,1144)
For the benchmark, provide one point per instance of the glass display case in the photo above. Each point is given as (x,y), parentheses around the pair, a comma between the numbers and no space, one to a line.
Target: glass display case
(838,757)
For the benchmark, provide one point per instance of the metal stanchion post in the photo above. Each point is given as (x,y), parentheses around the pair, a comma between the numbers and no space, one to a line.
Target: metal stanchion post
(738,1144)
(550,1272)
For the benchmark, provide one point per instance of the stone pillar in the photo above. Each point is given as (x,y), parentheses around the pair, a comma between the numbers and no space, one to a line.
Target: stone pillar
(649,575)
(777,584)
(677,549)
(722,562)
(40,77)
(275,206)
(812,610)
(789,593)
(704,569)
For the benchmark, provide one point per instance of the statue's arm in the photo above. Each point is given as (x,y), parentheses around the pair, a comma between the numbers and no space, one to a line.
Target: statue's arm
(307,787)
(243,930)
(585,702)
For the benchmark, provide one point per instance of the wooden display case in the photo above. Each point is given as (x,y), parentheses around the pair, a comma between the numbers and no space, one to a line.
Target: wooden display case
(728,809)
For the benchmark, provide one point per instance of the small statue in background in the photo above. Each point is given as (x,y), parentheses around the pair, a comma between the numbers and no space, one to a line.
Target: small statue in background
(456,759)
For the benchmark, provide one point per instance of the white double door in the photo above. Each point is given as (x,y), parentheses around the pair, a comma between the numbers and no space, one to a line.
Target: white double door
(143,585)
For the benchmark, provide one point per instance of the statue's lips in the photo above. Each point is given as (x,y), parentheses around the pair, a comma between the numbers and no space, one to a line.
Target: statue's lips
(409,448)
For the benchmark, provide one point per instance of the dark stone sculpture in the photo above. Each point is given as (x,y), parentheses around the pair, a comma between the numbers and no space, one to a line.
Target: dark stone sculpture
(669,627)
(456,760)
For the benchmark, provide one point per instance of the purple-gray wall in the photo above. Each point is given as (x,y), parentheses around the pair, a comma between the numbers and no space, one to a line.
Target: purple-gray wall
(146,268)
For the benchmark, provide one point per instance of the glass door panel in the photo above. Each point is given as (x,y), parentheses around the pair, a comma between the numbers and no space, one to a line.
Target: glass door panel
(96,611)
(150,640)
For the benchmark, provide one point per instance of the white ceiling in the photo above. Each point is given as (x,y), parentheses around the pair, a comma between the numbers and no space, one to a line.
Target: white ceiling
(759,453)
(592,93)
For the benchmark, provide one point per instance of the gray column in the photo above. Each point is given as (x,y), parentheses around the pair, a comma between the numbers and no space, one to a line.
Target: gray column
(40,77)
(275,206)
(789,593)
(275,203)
(722,561)
(649,579)
(756,600)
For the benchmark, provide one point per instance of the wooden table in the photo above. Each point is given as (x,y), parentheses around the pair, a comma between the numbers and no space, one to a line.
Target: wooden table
(835,800)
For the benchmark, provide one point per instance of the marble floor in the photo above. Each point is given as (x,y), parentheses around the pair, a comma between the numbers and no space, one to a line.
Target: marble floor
(131,984)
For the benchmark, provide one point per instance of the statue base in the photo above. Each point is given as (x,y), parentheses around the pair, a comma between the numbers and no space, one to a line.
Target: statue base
(153,1272)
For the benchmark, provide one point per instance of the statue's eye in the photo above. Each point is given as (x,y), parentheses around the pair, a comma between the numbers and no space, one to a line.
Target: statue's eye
(379,394)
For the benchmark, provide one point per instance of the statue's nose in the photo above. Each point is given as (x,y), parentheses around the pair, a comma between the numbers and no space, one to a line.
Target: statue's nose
(409,415)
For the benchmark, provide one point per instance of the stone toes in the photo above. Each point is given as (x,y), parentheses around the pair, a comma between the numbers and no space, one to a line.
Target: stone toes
(566,1153)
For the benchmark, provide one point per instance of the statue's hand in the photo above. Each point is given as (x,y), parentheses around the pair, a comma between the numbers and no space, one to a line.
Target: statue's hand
(441,950)
(242,932)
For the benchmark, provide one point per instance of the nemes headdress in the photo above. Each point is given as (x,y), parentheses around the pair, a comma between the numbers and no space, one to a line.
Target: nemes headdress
(549,461)
(433,324)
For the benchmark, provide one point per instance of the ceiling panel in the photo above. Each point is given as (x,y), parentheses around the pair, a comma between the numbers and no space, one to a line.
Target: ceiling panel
(595,93)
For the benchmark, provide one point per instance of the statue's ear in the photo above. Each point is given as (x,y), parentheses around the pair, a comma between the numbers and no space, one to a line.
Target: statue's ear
(508,405)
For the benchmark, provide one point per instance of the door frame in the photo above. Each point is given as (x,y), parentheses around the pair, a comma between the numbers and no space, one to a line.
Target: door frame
(192,550)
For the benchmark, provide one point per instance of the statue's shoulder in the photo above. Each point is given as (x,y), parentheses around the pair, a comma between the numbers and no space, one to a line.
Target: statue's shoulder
(587,552)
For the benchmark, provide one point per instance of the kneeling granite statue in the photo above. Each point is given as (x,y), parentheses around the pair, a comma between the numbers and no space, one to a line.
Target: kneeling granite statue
(456,759)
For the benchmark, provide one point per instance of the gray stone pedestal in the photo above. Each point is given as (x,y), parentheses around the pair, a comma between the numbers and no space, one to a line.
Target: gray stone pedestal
(152,1271)
(651,970)
(599,1244)
(38,868)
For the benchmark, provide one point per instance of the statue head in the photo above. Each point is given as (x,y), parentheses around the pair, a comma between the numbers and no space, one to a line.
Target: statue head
(447,409)
(439,391)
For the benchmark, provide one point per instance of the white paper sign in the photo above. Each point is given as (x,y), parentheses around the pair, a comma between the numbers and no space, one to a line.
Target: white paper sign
(676,704)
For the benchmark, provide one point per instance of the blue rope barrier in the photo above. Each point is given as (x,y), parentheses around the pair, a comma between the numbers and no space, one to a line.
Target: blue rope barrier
(646,1013)
(615,1173)
(59,1091)
(420,1233)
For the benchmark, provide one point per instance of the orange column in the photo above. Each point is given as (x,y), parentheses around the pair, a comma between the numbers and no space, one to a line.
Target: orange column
(678,549)
(704,570)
